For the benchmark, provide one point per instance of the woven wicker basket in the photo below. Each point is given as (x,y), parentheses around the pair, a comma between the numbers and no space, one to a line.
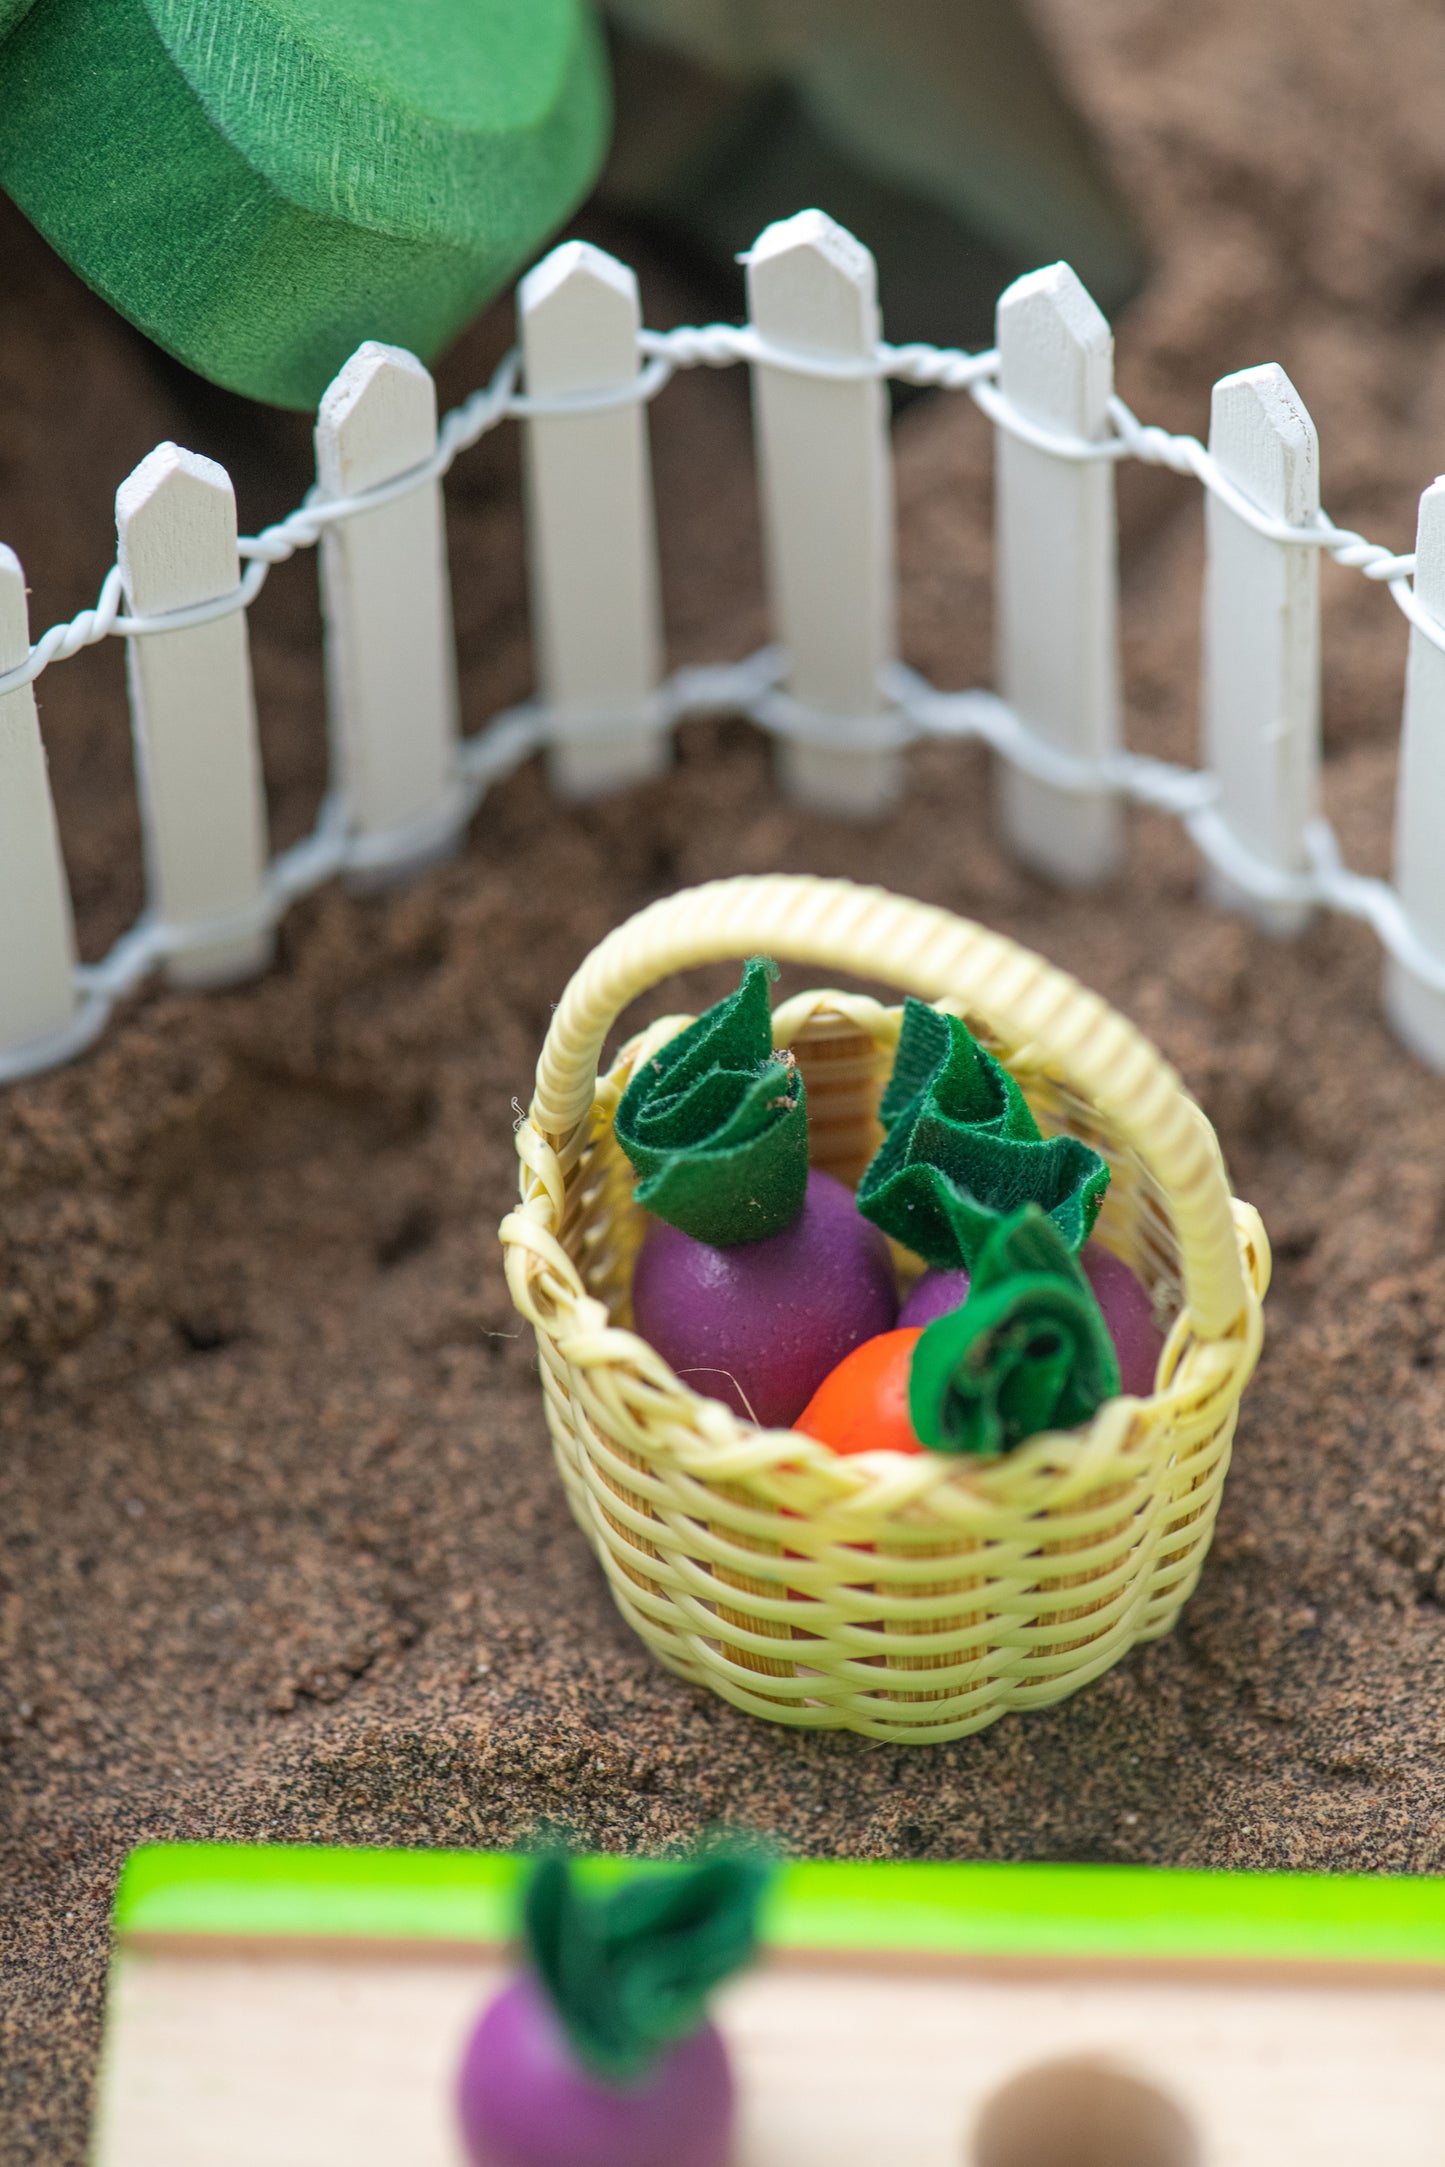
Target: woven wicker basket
(911,1599)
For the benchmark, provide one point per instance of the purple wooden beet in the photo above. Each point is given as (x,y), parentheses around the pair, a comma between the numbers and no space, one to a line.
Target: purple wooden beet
(526,2101)
(1126,1307)
(761,1325)
(1129,1314)
(936,1294)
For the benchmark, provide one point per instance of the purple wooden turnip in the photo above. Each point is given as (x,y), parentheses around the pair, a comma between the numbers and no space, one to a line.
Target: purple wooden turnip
(601,2053)
(761,1325)
(936,1294)
(1124,1302)
(1129,1314)
(526,2101)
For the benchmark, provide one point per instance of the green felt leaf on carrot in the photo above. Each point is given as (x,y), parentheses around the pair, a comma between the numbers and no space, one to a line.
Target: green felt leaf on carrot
(629,1971)
(261,185)
(963,1152)
(1028,1351)
(716,1123)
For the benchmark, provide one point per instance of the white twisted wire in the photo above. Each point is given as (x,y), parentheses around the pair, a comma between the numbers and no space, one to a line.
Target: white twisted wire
(909,707)
(720,346)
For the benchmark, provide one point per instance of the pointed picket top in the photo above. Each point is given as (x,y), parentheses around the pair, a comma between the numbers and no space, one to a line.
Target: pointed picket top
(580,313)
(1056,350)
(1261,433)
(377,418)
(176,525)
(568,267)
(812,283)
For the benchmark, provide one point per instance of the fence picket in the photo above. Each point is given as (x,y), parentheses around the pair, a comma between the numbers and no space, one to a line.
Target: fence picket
(827,498)
(1057,572)
(406,780)
(1262,634)
(37,950)
(194,713)
(390,650)
(592,526)
(1417,1011)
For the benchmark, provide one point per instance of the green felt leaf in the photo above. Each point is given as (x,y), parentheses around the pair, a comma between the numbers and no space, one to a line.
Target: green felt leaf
(629,1971)
(716,1123)
(963,1151)
(11,12)
(1028,1351)
(262,184)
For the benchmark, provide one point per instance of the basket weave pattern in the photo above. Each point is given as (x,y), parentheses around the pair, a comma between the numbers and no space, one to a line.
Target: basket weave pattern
(910,1599)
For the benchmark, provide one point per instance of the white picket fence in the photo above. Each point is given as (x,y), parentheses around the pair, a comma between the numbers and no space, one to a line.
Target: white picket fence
(404,782)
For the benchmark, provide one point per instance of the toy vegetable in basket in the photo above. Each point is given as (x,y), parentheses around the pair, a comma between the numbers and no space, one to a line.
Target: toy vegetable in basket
(1005,1334)
(757,1275)
(909,1595)
(963,1149)
(600,2053)
(1028,1350)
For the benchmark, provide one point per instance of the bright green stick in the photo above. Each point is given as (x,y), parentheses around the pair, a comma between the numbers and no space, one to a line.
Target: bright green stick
(969,1910)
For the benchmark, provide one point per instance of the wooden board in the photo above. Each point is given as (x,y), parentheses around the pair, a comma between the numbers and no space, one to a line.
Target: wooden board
(308,2008)
(263,184)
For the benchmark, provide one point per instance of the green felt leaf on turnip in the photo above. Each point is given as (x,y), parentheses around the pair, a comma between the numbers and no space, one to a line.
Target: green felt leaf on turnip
(1122,1298)
(716,1123)
(758,1274)
(1028,1351)
(963,1152)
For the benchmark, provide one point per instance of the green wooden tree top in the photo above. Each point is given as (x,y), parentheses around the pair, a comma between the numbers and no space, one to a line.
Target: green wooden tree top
(262,184)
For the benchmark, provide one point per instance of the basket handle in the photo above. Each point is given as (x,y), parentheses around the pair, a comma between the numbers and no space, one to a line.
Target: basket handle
(931,953)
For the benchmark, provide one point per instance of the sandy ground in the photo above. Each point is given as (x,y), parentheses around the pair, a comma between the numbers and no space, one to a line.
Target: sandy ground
(282,1549)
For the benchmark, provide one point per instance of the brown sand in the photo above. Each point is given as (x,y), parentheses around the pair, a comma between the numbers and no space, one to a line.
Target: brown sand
(284,1551)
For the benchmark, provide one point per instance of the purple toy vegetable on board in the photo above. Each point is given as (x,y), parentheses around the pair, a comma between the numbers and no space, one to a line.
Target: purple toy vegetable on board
(600,2053)
(757,1276)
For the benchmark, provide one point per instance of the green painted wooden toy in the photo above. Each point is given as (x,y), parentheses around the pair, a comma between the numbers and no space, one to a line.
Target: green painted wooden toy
(309,2008)
(262,184)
